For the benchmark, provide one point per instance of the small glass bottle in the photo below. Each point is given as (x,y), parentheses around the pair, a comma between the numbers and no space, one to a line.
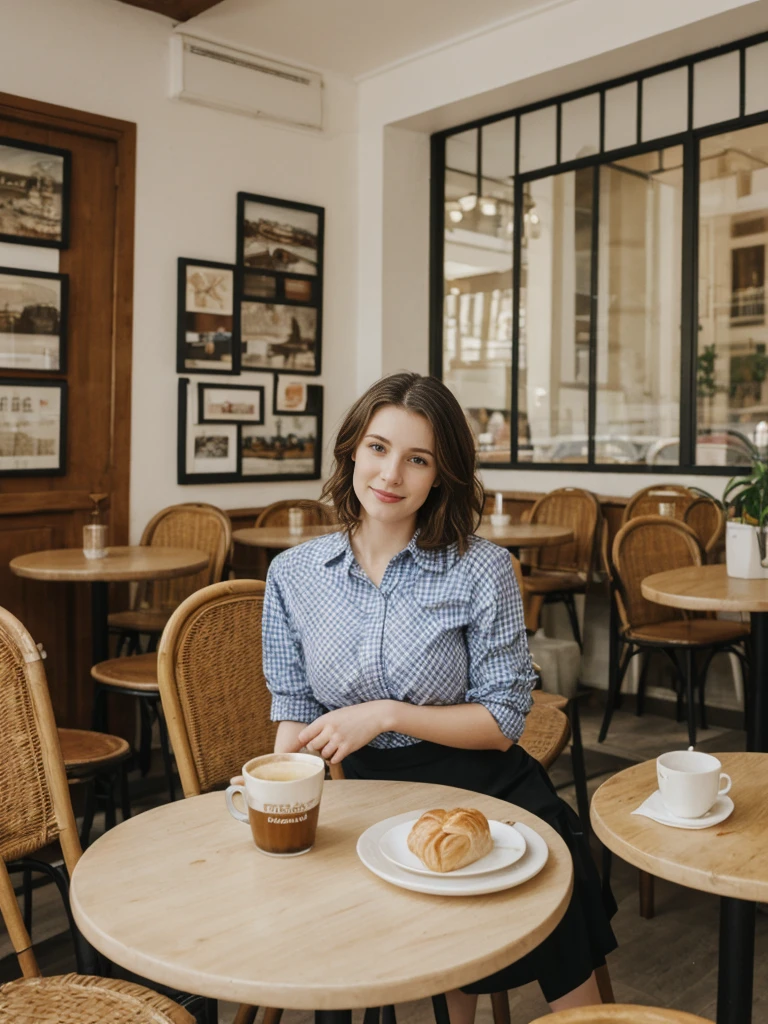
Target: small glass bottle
(95,532)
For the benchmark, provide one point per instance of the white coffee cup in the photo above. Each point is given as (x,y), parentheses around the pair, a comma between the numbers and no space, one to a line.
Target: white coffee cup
(690,782)
(282,795)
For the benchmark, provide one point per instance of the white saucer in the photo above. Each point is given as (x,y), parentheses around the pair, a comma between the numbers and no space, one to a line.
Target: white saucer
(508,847)
(654,808)
(530,864)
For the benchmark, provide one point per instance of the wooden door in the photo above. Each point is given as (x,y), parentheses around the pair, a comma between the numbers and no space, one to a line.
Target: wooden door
(49,512)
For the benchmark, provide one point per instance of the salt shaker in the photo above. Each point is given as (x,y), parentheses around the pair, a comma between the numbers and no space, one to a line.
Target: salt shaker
(95,532)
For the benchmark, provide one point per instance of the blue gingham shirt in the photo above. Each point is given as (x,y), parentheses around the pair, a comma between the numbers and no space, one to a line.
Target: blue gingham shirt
(440,629)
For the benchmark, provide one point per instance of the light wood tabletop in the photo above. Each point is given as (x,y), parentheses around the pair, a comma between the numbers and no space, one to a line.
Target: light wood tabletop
(140,562)
(730,859)
(706,588)
(181,896)
(515,535)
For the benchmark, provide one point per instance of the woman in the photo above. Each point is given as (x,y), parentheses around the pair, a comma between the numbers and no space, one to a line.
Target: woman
(398,646)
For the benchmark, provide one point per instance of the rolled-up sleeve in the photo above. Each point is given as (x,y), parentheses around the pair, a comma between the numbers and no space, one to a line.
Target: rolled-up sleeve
(283,659)
(501,675)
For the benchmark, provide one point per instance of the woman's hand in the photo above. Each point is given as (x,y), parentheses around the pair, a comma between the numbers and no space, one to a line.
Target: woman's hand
(342,732)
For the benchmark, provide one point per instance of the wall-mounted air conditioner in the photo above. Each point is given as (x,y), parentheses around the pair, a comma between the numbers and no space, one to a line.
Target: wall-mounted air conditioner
(244,83)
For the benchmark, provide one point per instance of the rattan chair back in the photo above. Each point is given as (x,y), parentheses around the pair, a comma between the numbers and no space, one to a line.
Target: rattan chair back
(193,525)
(620,1013)
(316,513)
(650,500)
(546,733)
(577,509)
(35,808)
(707,519)
(642,547)
(215,698)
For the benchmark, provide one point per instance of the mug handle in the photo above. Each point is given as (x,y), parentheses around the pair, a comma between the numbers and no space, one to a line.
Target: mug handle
(727,780)
(231,790)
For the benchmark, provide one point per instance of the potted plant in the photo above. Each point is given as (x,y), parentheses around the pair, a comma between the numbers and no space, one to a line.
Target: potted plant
(746,498)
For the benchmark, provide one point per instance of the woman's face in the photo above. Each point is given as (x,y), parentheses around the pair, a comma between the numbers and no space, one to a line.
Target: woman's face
(395,464)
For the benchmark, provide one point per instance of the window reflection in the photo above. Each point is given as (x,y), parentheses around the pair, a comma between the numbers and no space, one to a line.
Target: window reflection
(732,363)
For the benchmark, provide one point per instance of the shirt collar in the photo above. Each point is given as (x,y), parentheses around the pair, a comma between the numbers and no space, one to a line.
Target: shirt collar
(431,559)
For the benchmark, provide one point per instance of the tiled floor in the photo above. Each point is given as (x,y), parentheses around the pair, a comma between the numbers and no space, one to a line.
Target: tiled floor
(668,961)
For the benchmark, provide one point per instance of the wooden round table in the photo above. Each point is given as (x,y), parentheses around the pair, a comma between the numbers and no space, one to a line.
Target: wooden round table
(181,896)
(730,860)
(709,588)
(514,536)
(120,564)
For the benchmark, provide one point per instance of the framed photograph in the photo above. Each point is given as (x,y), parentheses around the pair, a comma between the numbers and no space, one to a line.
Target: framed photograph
(276,234)
(33,417)
(33,320)
(207,453)
(287,447)
(298,289)
(290,395)
(259,286)
(274,336)
(206,300)
(234,403)
(34,194)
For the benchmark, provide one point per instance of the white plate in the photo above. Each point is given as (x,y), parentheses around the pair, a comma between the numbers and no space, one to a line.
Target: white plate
(508,847)
(530,864)
(654,808)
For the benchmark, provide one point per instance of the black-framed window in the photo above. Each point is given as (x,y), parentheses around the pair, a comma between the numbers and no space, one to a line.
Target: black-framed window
(598,270)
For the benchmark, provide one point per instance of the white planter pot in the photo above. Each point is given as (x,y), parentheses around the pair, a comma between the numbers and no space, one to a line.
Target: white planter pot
(742,552)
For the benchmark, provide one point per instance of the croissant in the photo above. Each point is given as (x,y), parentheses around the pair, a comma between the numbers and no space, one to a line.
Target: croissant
(448,840)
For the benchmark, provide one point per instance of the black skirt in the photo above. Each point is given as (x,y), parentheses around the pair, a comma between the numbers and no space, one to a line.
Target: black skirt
(584,937)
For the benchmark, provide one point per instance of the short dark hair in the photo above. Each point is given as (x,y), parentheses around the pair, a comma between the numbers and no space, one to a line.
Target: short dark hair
(453,508)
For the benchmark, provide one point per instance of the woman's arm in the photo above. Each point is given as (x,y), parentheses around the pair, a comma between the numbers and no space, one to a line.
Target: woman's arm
(287,738)
(342,732)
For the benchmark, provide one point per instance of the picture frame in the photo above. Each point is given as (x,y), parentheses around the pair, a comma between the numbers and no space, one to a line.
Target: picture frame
(290,395)
(285,447)
(205,328)
(206,453)
(33,427)
(230,403)
(280,235)
(278,337)
(34,193)
(33,320)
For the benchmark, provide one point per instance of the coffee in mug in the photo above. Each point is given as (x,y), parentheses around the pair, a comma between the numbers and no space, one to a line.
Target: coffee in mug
(690,782)
(282,794)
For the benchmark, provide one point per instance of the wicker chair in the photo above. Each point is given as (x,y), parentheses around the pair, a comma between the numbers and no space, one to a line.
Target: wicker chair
(557,573)
(193,525)
(35,810)
(620,1013)
(707,520)
(252,562)
(648,500)
(644,546)
(215,698)
(196,526)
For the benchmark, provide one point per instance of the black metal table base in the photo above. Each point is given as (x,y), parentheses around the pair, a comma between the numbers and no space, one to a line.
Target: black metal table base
(737,961)
(757,719)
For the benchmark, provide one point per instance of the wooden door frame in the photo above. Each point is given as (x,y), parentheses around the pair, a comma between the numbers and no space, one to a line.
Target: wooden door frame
(123,134)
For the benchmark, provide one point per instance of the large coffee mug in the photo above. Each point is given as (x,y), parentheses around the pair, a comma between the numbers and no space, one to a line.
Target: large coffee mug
(281,793)
(690,782)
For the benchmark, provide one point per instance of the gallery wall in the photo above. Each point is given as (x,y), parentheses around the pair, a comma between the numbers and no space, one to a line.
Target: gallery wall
(112,59)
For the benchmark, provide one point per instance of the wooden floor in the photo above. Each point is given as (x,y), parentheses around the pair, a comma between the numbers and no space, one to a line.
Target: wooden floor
(669,961)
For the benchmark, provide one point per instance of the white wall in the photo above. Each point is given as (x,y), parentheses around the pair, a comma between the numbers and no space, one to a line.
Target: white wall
(109,58)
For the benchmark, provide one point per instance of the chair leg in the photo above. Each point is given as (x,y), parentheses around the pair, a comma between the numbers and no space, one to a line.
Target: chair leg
(640,702)
(532,605)
(603,979)
(272,1015)
(125,794)
(99,718)
(89,809)
(373,1014)
(110,809)
(613,693)
(388,1015)
(26,886)
(440,1010)
(605,879)
(690,682)
(577,761)
(211,1011)
(500,1007)
(245,1015)
(570,607)
(645,892)
(166,749)
(145,740)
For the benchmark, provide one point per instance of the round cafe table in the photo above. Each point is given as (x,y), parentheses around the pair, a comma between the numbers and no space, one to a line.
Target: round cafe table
(201,910)
(709,588)
(120,564)
(513,537)
(730,860)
